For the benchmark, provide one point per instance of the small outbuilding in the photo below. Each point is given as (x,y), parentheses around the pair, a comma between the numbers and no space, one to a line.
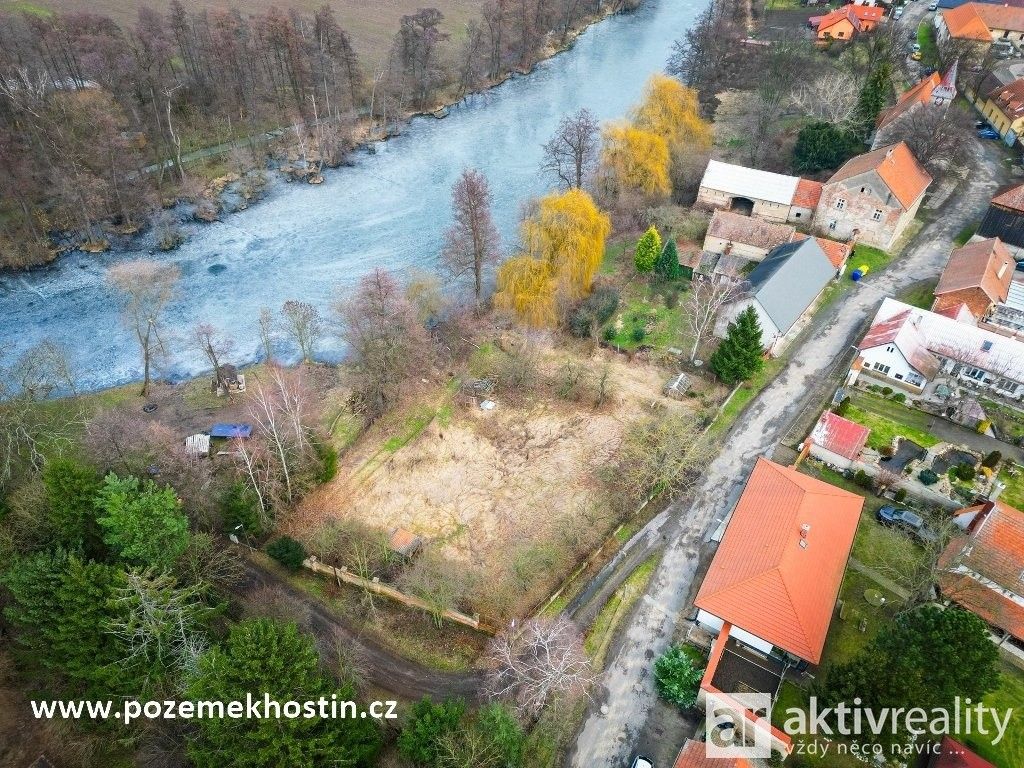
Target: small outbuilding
(197,445)
(404,542)
(837,441)
(677,387)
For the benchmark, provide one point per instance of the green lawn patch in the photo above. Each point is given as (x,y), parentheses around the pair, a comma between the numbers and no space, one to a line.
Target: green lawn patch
(965,234)
(845,638)
(920,294)
(868,256)
(617,608)
(1009,695)
(1013,494)
(1009,422)
(929,46)
(22,6)
(643,319)
(888,419)
(747,392)
(613,254)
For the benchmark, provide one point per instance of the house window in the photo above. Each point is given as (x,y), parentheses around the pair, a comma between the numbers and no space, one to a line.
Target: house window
(840,204)
(1006,385)
(832,225)
(986,346)
(882,368)
(797,214)
(899,376)
(973,373)
(915,378)
(841,34)
(877,215)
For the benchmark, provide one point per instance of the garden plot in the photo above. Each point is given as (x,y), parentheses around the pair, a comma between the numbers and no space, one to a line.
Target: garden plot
(509,498)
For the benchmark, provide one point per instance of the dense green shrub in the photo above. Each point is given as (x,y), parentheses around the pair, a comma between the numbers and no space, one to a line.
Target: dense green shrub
(886,391)
(822,146)
(593,312)
(843,407)
(863,479)
(964,472)
(677,674)
(886,451)
(900,495)
(992,460)
(928,477)
(328,456)
(240,506)
(638,334)
(899,397)
(288,552)
(740,354)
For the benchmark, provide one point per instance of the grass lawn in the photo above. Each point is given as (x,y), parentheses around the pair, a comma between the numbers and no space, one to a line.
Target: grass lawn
(965,234)
(1008,421)
(888,419)
(868,256)
(1009,695)
(644,319)
(919,294)
(1014,491)
(602,631)
(613,254)
(929,48)
(747,392)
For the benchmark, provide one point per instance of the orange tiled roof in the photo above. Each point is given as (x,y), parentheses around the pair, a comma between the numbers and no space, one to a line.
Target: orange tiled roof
(807,194)
(985,264)
(1010,99)
(994,550)
(896,166)
(693,755)
(833,18)
(867,12)
(965,22)
(836,251)
(1000,16)
(1012,198)
(762,580)
(919,93)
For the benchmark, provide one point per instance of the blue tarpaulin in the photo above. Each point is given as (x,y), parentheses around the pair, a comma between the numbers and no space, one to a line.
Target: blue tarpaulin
(231,430)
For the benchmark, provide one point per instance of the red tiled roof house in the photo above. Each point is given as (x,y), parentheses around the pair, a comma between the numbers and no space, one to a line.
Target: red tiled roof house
(837,441)
(873,197)
(983,570)
(771,589)
(977,275)
(846,22)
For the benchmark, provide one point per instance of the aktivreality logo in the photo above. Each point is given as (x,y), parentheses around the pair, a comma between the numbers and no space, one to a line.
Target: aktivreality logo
(738,724)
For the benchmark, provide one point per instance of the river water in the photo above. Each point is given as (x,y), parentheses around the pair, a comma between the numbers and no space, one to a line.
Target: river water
(314,242)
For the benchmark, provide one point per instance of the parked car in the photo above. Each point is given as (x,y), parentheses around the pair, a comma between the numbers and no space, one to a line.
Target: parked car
(933,7)
(905,520)
(898,13)
(980,124)
(641,762)
(988,133)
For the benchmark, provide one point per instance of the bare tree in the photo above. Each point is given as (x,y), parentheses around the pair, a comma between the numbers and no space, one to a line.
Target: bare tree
(215,346)
(471,243)
(703,304)
(571,154)
(148,288)
(939,136)
(42,370)
(905,565)
(387,344)
(531,663)
(266,328)
(303,324)
(830,97)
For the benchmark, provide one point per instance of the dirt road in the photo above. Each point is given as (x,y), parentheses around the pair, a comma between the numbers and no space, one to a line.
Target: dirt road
(380,666)
(627,695)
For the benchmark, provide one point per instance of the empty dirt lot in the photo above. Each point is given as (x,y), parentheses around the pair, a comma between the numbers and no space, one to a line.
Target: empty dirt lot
(510,497)
(371,23)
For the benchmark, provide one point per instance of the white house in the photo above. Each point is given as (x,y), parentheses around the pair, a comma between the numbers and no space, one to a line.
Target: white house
(907,347)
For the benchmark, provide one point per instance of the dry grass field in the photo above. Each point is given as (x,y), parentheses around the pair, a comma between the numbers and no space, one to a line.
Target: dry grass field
(509,498)
(371,23)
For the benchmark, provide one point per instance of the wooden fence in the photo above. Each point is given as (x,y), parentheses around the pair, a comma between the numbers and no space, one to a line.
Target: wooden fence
(345,576)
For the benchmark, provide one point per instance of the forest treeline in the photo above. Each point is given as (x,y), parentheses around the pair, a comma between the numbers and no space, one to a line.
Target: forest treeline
(87,105)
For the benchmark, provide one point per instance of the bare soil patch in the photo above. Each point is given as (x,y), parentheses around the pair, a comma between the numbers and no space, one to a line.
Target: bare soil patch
(511,498)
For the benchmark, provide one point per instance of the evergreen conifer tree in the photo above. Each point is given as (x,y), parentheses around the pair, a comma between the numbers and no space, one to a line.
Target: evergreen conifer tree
(667,265)
(648,248)
(741,353)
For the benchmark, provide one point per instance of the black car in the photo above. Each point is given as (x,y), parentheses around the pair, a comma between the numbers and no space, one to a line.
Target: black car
(905,520)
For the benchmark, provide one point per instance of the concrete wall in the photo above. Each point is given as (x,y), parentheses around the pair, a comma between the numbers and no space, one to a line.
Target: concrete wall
(830,458)
(776,212)
(747,251)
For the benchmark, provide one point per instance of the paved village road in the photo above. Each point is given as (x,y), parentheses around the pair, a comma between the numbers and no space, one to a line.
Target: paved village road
(627,693)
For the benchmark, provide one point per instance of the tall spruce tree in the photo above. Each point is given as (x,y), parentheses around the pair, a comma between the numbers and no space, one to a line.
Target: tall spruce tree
(648,248)
(872,98)
(741,353)
(667,265)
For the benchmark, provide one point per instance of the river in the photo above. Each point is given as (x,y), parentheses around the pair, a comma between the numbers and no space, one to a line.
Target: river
(314,242)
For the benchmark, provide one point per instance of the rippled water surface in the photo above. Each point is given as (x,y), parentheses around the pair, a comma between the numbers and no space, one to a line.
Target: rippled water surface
(312,242)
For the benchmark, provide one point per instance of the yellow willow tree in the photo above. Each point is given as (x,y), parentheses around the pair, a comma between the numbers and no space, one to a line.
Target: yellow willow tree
(526,287)
(563,240)
(636,160)
(672,111)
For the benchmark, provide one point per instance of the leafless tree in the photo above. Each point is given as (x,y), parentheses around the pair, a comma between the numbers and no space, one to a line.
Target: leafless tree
(266,328)
(887,480)
(830,97)
(215,346)
(663,454)
(939,136)
(703,303)
(148,288)
(387,344)
(303,324)
(257,467)
(42,370)
(904,564)
(571,154)
(425,292)
(441,583)
(471,243)
(530,663)
(281,408)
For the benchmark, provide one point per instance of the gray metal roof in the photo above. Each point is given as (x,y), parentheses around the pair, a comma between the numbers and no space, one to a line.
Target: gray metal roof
(790,279)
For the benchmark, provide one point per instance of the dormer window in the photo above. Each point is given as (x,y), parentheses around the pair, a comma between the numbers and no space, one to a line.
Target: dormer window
(986,346)
(877,215)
